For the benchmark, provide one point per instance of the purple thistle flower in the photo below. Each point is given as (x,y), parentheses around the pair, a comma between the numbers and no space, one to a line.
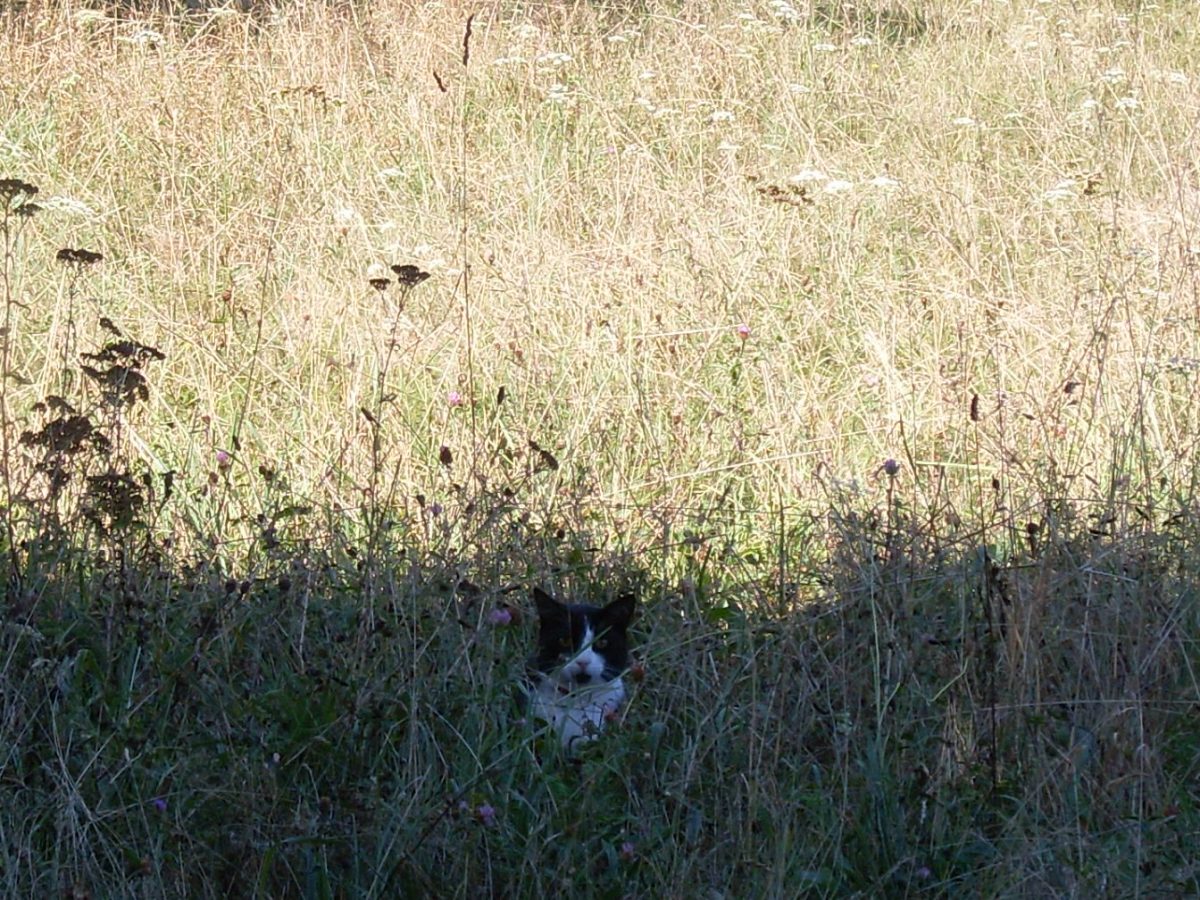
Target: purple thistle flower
(500,617)
(891,468)
(486,814)
(743,331)
(159,803)
(455,399)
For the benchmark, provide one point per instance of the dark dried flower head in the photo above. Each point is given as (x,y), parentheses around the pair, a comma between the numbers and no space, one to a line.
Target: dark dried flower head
(380,284)
(65,436)
(113,501)
(78,256)
(466,43)
(121,385)
(409,276)
(12,188)
(57,404)
(546,459)
(130,352)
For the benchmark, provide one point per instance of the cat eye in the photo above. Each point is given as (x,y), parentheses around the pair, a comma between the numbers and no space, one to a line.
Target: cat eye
(600,644)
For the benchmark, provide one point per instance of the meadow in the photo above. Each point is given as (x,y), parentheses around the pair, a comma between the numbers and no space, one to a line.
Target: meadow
(860,338)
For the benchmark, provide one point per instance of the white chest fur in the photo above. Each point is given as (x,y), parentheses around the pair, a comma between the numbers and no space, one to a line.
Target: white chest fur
(577,714)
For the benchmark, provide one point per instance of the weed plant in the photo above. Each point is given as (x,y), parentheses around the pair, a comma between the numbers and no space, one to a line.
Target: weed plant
(858,338)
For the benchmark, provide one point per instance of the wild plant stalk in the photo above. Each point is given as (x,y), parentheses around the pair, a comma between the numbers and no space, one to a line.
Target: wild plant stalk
(464,235)
(16,198)
(377,507)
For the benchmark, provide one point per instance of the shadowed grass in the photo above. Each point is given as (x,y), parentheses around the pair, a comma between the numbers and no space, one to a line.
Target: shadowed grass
(861,340)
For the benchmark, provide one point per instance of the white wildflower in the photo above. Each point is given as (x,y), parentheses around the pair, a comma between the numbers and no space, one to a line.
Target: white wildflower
(963,122)
(143,37)
(838,186)
(861,41)
(824,47)
(808,174)
(720,115)
(560,94)
(345,217)
(389,173)
(784,10)
(86,18)
(1128,103)
(1064,190)
(884,181)
(1115,75)
(554,59)
(68,206)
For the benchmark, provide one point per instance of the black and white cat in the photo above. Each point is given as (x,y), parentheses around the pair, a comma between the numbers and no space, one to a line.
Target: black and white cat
(576,672)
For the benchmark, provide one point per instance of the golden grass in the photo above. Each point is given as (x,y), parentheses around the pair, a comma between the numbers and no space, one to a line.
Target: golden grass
(619,225)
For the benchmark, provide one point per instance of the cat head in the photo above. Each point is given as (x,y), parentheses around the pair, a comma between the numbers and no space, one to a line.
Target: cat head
(582,646)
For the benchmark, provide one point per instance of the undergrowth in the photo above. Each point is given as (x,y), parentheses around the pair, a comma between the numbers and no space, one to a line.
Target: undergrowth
(969,671)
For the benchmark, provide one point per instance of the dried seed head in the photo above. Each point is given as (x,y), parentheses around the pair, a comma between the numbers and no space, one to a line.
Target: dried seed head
(13,188)
(409,276)
(78,257)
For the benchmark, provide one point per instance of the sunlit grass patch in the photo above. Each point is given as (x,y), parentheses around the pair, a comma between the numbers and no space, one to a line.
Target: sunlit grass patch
(859,337)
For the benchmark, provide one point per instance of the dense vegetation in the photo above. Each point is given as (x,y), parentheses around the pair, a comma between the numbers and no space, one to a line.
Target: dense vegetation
(859,338)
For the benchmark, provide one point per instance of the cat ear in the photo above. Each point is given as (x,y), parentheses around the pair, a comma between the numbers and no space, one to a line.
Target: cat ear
(620,611)
(546,605)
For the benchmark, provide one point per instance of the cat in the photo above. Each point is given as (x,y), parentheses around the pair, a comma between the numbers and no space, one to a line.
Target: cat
(575,676)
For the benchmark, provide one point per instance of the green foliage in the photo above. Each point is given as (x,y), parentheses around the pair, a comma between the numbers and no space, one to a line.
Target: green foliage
(960,673)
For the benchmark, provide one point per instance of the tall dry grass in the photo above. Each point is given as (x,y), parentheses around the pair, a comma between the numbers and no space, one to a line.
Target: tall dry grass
(861,335)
